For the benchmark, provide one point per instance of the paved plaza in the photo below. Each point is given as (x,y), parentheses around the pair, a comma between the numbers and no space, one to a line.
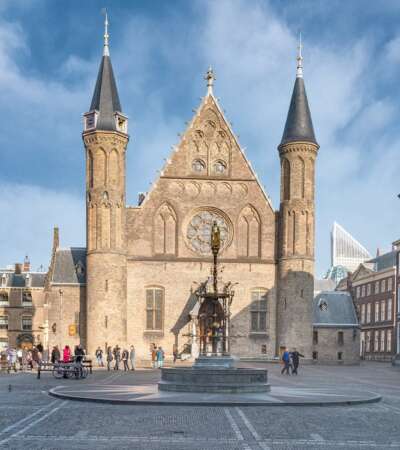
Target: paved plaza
(30,418)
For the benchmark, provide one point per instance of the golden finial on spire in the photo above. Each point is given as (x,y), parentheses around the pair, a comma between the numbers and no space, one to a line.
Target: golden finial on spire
(299,71)
(210,78)
(106,50)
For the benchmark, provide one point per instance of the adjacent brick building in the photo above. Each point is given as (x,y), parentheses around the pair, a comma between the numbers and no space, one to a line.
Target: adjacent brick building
(22,311)
(374,294)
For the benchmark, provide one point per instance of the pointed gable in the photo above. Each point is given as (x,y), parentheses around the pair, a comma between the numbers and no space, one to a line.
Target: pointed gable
(209,150)
(361,272)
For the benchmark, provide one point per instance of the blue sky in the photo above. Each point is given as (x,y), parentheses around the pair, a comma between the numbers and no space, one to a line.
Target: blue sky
(49,57)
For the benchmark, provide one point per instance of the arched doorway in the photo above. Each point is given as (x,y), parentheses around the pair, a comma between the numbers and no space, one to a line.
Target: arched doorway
(211,323)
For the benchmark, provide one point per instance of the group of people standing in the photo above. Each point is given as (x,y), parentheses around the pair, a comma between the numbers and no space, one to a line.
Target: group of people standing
(157,356)
(78,356)
(126,357)
(291,361)
(22,358)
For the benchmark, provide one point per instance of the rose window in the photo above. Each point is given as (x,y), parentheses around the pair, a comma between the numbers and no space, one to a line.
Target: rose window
(199,231)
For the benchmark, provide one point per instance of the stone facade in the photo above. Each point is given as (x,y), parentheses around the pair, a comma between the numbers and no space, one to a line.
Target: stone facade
(335,345)
(336,331)
(143,262)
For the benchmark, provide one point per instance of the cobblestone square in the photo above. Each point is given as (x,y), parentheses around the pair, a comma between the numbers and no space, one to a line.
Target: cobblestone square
(30,418)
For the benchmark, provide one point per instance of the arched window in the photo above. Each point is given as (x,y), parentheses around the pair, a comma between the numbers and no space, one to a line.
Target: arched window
(113,168)
(258,311)
(248,232)
(219,167)
(198,166)
(154,309)
(286,179)
(302,178)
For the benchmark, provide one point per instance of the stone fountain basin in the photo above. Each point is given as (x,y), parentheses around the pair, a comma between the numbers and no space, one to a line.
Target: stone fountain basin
(222,380)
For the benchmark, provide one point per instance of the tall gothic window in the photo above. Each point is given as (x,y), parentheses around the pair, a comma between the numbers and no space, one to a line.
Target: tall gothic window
(286,179)
(90,162)
(154,309)
(258,311)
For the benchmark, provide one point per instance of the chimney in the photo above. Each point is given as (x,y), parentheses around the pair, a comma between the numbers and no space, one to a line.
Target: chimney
(18,269)
(27,264)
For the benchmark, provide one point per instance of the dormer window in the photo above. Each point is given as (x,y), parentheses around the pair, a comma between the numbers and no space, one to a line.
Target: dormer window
(80,270)
(323,306)
(121,123)
(90,120)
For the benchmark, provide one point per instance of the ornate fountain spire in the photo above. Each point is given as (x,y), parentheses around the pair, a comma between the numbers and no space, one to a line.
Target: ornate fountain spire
(299,71)
(106,50)
(215,247)
(210,78)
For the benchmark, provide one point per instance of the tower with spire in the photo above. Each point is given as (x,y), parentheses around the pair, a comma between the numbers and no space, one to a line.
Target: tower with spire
(105,139)
(297,151)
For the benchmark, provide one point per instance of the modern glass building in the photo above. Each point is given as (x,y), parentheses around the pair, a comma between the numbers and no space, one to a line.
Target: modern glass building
(345,250)
(346,254)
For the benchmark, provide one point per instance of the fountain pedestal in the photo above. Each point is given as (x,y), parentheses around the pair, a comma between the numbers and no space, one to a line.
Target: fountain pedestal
(214,370)
(214,374)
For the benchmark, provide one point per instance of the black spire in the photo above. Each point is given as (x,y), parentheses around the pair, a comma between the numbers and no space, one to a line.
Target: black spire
(105,97)
(299,125)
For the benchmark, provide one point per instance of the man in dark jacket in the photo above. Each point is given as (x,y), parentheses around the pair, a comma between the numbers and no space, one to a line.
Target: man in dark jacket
(296,359)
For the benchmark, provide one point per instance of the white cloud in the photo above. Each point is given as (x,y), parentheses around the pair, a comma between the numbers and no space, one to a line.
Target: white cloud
(253,52)
(29,214)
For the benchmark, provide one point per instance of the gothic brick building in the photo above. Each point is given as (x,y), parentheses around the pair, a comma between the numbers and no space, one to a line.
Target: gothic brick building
(135,281)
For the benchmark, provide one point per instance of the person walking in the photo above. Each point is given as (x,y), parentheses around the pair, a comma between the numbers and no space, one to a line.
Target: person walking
(286,362)
(153,351)
(66,354)
(132,357)
(160,357)
(19,357)
(55,355)
(29,359)
(296,360)
(109,358)
(117,357)
(125,356)
(79,354)
(35,356)
(12,359)
(99,356)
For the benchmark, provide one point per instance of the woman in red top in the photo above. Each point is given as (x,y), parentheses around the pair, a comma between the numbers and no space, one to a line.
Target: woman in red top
(66,354)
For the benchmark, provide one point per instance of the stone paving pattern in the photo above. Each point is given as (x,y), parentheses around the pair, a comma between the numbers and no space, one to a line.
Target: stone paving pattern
(29,418)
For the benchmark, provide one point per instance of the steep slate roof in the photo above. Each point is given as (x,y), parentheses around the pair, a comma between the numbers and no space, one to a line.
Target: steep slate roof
(105,97)
(339,310)
(70,266)
(299,125)
(385,261)
(35,279)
